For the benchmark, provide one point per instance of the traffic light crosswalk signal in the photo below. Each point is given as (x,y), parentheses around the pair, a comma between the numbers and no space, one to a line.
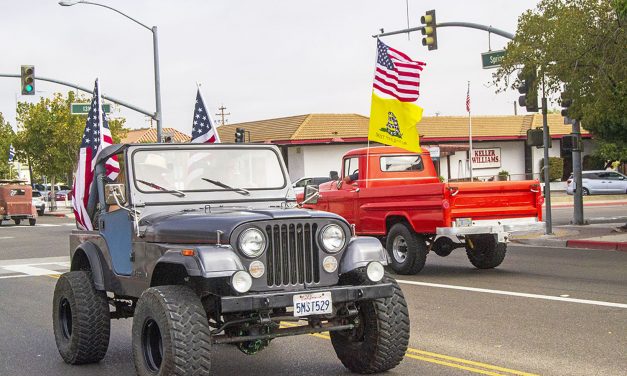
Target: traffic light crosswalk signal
(528,87)
(430,37)
(28,79)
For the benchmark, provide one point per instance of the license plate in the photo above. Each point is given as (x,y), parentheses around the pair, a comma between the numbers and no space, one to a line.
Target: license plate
(318,303)
(463,222)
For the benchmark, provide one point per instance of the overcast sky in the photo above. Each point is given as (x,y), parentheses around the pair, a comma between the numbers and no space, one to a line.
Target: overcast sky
(260,59)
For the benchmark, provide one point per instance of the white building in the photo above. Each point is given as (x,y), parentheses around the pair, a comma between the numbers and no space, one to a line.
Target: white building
(313,144)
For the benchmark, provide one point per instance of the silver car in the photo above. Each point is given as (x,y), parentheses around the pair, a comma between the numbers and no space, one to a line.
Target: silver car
(599,182)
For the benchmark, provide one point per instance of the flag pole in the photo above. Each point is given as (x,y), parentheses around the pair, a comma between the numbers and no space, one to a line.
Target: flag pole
(469,130)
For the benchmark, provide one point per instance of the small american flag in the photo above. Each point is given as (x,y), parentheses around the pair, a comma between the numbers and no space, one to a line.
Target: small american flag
(96,137)
(468,99)
(11,153)
(396,74)
(203,129)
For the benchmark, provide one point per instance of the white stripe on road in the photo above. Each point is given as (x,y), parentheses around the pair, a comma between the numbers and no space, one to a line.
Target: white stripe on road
(30,270)
(17,276)
(6,237)
(519,294)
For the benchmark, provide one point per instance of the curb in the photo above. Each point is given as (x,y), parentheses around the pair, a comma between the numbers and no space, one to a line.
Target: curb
(596,244)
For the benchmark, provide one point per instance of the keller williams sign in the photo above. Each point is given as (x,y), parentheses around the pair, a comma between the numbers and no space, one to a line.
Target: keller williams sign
(486,158)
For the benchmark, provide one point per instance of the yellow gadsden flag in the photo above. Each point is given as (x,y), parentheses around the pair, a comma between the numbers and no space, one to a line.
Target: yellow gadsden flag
(393,122)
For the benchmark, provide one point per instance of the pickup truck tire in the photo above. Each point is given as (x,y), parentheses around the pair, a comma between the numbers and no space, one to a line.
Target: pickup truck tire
(17,221)
(32,221)
(486,252)
(408,250)
(380,340)
(81,319)
(171,335)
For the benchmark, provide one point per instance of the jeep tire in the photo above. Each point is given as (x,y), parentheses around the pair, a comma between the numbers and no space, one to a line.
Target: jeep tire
(81,319)
(171,334)
(407,250)
(485,252)
(380,339)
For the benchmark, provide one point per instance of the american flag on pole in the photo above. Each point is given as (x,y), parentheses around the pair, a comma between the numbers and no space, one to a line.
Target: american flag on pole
(96,137)
(396,74)
(203,130)
(11,153)
(468,99)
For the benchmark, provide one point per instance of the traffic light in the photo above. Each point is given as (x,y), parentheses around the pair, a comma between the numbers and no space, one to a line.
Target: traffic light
(431,38)
(571,142)
(535,137)
(240,135)
(566,101)
(28,80)
(528,87)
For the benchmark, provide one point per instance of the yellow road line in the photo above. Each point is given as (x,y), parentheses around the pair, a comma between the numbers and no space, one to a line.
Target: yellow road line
(445,360)
(55,276)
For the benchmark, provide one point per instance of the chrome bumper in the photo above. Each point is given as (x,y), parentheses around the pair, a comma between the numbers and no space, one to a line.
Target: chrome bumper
(500,227)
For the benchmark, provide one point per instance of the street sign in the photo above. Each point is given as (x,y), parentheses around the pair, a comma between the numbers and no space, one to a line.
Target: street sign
(434,151)
(83,108)
(492,59)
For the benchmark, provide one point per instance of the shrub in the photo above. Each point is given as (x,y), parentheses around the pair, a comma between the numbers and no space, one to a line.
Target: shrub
(556,169)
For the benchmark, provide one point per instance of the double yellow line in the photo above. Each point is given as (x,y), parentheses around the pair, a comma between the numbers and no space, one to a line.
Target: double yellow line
(445,360)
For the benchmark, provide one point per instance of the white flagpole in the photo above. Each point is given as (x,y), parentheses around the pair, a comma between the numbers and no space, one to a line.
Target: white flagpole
(470,133)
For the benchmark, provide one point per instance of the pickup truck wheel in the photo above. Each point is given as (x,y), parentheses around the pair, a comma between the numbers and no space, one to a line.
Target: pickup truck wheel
(408,250)
(32,221)
(17,221)
(171,334)
(81,319)
(486,252)
(380,339)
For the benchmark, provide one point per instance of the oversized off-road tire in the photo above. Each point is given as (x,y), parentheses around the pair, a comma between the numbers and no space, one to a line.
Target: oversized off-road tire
(32,221)
(171,335)
(485,252)
(380,339)
(17,221)
(407,250)
(81,319)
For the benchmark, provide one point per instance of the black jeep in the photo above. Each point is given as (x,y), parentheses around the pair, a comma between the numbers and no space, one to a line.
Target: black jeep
(203,245)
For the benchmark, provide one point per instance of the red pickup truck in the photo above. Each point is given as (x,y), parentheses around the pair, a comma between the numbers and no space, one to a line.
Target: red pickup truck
(397,196)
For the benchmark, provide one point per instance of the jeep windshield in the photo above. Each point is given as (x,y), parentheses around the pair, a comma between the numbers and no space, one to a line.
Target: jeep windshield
(197,170)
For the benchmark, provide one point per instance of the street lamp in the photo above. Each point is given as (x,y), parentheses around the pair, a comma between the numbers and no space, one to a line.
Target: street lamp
(155,45)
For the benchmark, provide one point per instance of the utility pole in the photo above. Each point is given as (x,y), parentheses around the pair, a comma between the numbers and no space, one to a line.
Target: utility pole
(222,114)
(547,181)
(578,202)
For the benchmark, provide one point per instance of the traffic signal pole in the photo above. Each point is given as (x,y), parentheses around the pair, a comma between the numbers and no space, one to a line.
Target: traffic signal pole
(470,25)
(547,181)
(578,202)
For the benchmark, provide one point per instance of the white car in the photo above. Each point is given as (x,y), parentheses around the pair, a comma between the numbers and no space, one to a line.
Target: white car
(38,202)
(300,184)
(599,182)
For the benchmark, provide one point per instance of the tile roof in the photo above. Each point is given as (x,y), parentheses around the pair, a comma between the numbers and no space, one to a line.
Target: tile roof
(339,127)
(147,135)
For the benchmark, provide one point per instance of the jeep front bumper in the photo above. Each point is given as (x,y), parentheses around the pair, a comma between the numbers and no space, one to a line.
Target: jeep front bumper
(282,299)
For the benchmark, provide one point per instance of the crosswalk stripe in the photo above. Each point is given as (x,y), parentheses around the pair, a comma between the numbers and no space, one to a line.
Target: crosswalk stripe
(29,270)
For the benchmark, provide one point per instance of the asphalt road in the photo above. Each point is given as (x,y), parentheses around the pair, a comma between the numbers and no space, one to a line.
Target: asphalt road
(549,311)
(610,213)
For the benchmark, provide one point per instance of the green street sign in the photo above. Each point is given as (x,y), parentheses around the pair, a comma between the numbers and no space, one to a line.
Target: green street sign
(83,108)
(492,59)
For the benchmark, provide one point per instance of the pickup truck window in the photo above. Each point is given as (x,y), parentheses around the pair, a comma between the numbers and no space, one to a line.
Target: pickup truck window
(351,167)
(399,163)
(184,169)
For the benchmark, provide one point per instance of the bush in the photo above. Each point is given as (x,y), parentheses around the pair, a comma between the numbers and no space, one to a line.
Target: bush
(503,175)
(556,169)
(593,162)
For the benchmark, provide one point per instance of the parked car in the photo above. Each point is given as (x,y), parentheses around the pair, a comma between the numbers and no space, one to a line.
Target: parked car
(38,202)
(599,182)
(300,184)
(63,195)
(16,202)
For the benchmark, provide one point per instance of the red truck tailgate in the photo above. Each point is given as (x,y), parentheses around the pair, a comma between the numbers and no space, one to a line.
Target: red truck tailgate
(507,199)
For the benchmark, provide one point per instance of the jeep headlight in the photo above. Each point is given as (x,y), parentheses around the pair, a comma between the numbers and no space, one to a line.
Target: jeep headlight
(332,238)
(252,242)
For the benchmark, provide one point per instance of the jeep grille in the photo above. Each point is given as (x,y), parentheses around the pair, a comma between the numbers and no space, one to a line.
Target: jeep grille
(292,256)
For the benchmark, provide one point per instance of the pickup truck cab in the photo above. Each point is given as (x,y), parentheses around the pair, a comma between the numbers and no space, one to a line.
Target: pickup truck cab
(202,245)
(396,195)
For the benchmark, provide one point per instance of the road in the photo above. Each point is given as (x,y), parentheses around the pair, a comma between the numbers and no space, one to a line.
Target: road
(605,213)
(549,311)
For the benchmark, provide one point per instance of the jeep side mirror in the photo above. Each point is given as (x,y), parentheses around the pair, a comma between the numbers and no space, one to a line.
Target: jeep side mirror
(311,195)
(115,194)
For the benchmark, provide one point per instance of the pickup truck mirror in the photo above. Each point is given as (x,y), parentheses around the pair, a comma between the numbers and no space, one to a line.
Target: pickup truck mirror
(115,194)
(311,195)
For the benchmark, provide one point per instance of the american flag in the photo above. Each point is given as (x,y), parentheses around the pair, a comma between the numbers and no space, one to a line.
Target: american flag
(396,74)
(96,137)
(468,99)
(203,129)
(11,153)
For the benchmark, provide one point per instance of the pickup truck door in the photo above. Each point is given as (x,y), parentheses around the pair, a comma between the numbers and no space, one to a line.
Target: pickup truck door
(342,200)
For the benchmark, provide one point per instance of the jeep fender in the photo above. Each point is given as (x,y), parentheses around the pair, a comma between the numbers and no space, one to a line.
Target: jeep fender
(362,250)
(208,261)
(88,255)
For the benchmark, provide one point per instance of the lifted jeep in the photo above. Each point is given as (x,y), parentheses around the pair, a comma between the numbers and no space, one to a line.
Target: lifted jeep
(202,245)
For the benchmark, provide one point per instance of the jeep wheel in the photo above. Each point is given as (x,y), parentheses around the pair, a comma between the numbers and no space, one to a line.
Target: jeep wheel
(17,221)
(381,336)
(171,335)
(32,221)
(81,320)
(484,252)
(408,250)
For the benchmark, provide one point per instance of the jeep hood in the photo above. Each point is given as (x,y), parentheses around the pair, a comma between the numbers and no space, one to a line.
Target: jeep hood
(200,227)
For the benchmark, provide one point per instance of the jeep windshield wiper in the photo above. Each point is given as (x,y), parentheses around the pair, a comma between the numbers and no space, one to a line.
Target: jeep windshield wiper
(175,192)
(241,191)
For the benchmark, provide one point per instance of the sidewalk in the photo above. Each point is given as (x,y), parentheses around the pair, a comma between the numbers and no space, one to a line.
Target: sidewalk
(608,236)
(559,200)
(60,211)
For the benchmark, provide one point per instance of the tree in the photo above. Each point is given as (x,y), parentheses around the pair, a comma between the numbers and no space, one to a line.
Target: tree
(580,44)
(6,138)
(49,137)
